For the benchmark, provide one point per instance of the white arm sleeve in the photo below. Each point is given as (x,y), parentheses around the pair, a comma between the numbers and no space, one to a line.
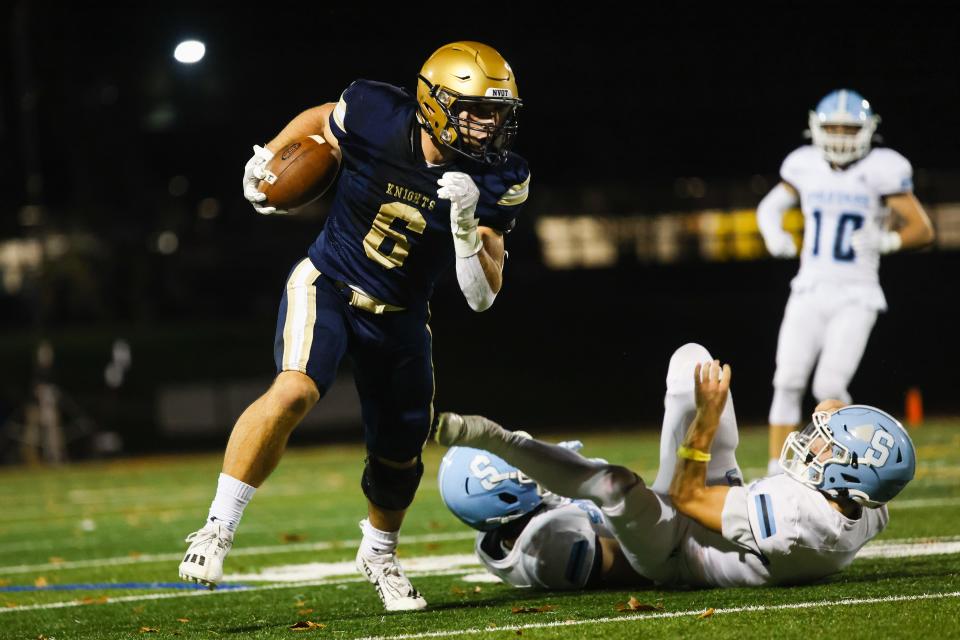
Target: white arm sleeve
(474,283)
(770,213)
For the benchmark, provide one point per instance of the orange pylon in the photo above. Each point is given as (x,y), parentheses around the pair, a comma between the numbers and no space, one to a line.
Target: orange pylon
(913,410)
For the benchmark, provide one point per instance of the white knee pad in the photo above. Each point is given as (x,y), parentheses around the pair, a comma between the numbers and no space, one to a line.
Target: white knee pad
(830,384)
(682,363)
(785,408)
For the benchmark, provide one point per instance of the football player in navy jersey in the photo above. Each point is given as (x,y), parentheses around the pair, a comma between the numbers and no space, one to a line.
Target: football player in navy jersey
(427,180)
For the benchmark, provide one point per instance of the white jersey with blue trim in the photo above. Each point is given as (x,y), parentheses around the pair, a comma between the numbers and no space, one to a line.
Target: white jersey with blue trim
(791,533)
(555,550)
(837,202)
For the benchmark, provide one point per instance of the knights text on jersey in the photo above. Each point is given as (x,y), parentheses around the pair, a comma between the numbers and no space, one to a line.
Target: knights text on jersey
(387,231)
(555,550)
(836,203)
(793,529)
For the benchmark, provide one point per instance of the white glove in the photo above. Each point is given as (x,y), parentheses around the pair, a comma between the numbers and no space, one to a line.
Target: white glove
(573,445)
(463,195)
(870,238)
(781,245)
(253,173)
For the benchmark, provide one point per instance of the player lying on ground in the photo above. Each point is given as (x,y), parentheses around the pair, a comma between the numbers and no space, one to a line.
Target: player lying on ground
(696,525)
(858,205)
(427,181)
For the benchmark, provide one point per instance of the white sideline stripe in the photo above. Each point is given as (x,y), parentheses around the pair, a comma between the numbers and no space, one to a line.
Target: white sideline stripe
(670,614)
(198,593)
(320,570)
(248,551)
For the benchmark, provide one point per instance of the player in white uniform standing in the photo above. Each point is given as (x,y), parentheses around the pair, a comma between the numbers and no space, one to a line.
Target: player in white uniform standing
(696,525)
(857,204)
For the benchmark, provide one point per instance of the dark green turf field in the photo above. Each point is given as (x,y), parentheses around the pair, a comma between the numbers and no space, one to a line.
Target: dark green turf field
(91,551)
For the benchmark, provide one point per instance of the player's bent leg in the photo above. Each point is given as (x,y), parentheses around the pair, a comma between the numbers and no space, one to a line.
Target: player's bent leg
(679,409)
(253,451)
(843,348)
(260,436)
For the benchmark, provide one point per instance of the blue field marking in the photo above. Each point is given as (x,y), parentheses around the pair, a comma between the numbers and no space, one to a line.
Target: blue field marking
(99,586)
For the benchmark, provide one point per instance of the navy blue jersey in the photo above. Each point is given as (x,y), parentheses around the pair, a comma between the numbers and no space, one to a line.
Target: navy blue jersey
(388,233)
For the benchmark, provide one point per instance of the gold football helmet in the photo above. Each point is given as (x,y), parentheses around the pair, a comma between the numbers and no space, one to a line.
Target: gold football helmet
(468,100)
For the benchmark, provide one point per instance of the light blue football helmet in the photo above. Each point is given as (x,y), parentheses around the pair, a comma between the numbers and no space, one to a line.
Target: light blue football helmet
(843,107)
(858,451)
(483,490)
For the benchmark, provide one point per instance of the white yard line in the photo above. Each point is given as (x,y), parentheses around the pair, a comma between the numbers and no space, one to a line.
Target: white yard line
(670,614)
(242,551)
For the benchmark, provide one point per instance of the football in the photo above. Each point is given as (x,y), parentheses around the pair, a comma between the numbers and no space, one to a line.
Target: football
(300,173)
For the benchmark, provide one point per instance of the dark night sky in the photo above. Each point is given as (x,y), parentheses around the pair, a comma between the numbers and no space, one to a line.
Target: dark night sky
(610,97)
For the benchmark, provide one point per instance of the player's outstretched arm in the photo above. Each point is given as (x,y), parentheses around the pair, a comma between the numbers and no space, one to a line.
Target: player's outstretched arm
(688,490)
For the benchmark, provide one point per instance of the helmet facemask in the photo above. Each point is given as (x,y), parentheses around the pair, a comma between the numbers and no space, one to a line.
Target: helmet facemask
(806,453)
(842,148)
(481,128)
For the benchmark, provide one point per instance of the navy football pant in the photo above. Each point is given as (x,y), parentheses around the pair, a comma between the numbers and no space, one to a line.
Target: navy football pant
(391,353)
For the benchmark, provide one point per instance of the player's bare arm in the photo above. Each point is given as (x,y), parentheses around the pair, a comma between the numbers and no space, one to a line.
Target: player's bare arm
(688,490)
(492,256)
(912,222)
(313,121)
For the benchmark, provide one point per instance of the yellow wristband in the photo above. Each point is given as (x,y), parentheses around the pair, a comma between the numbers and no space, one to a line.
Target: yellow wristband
(693,454)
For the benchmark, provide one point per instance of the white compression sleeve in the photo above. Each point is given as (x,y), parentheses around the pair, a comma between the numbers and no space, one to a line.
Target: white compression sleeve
(771,209)
(473,282)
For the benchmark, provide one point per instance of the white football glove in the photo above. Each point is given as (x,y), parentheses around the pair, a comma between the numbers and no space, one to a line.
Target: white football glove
(463,195)
(870,238)
(781,245)
(253,173)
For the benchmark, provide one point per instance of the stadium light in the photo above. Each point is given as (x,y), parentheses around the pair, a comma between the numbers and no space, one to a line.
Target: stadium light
(189,51)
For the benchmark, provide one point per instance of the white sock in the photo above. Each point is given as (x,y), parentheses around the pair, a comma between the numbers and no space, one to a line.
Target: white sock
(377,542)
(231,499)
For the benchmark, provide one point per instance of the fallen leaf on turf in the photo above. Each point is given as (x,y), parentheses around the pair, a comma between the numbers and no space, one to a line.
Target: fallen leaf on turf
(138,609)
(706,614)
(545,608)
(635,605)
(477,589)
(457,591)
(10,605)
(55,560)
(306,625)
(292,537)
(431,546)
(42,637)
(40,582)
(134,554)
(97,600)
(433,524)
(519,632)
(149,630)
(183,619)
(4,583)
(304,612)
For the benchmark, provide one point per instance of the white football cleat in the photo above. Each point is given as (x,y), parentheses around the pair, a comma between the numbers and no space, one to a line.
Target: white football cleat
(393,586)
(203,562)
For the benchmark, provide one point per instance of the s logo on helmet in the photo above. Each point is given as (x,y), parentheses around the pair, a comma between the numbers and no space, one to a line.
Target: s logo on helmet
(488,475)
(879,449)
